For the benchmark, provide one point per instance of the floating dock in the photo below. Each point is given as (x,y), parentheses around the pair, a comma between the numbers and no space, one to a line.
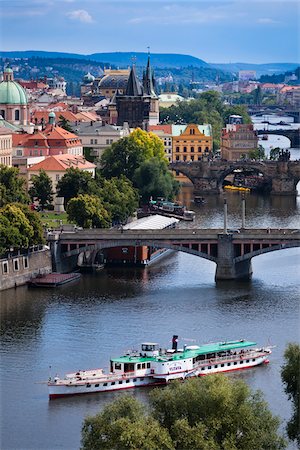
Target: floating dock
(53,279)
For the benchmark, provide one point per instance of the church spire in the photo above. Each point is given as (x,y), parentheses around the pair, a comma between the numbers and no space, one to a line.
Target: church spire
(148,79)
(134,87)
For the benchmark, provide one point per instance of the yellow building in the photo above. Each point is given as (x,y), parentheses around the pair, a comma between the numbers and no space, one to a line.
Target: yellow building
(191,143)
(5,146)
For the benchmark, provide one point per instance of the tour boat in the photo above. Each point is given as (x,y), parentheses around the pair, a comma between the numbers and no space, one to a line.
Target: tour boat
(152,365)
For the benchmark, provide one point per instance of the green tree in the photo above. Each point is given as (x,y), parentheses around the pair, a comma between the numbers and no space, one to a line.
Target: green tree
(12,186)
(15,229)
(154,179)
(75,182)
(124,425)
(290,375)
(119,197)
(65,124)
(274,153)
(36,223)
(127,154)
(208,413)
(88,211)
(257,154)
(41,188)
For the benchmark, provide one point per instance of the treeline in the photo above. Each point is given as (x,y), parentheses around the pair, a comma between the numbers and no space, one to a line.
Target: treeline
(279,78)
(207,108)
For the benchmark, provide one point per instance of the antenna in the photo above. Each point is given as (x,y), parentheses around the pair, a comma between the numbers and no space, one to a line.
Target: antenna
(148,50)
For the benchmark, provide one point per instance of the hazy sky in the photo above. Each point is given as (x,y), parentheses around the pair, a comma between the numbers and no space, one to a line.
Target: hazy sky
(214,30)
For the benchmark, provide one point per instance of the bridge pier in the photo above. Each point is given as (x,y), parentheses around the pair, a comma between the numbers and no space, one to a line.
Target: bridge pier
(227,268)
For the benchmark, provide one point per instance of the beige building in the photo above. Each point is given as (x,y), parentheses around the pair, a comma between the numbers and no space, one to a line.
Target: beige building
(237,141)
(5,147)
(164,132)
(57,165)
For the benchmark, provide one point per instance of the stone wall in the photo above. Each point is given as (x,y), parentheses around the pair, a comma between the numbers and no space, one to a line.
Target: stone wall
(16,269)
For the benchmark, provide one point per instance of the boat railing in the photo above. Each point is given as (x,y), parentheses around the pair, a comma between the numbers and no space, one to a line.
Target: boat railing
(234,357)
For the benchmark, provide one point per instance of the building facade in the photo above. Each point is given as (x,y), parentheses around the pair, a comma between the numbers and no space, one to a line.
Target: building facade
(6,149)
(13,100)
(237,141)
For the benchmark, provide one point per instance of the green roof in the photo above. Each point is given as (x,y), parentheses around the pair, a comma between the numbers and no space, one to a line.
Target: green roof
(12,93)
(189,353)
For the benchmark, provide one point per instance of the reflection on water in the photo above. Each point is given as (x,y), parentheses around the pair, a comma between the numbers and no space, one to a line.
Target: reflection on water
(82,325)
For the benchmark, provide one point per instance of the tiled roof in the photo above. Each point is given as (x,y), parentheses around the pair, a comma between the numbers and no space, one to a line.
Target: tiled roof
(167,129)
(60,163)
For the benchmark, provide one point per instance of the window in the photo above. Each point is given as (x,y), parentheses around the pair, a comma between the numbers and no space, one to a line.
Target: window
(228,364)
(253,359)
(148,365)
(97,385)
(192,158)
(209,367)
(19,152)
(96,141)
(118,366)
(192,149)
(216,366)
(241,362)
(25,262)
(57,177)
(222,365)
(112,383)
(88,385)
(235,363)
(17,114)
(184,158)
(141,379)
(5,267)
(199,150)
(202,368)
(177,158)
(143,366)
(184,149)
(247,360)
(16,264)
(177,149)
(2,113)
(134,380)
(199,158)
(127,381)
(138,366)
(104,384)
(120,382)
(192,131)
(92,141)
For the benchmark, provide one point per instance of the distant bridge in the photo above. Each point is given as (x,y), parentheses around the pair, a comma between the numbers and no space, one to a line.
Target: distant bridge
(286,110)
(232,252)
(208,176)
(293,135)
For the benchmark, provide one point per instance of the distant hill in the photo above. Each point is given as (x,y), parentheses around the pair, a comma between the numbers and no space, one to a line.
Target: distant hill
(261,69)
(121,59)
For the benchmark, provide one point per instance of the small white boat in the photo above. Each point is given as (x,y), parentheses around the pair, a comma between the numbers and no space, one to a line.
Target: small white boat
(153,366)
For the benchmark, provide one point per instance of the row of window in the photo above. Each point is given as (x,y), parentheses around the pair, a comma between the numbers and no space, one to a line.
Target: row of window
(6,144)
(192,158)
(17,114)
(5,160)
(143,366)
(192,149)
(235,363)
(16,265)
(113,383)
(199,142)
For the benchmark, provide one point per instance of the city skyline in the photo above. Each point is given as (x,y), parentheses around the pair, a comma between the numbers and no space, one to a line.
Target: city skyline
(219,31)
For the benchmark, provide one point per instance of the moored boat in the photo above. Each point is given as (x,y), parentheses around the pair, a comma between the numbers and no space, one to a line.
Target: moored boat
(152,365)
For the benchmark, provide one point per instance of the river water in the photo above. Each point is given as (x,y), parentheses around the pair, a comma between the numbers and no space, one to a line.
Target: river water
(82,325)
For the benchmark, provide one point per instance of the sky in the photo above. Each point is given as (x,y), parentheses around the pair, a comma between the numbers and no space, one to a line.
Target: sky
(218,31)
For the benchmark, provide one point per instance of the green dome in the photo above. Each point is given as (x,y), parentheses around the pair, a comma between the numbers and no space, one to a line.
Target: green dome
(12,93)
(52,114)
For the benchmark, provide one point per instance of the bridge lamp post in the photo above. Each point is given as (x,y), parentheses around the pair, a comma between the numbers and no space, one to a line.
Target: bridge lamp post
(225,216)
(243,212)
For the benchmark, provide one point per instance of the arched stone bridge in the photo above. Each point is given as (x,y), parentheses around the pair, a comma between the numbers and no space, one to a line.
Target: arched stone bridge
(232,252)
(208,176)
(293,135)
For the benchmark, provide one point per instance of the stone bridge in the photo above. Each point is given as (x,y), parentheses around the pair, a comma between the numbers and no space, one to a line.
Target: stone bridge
(208,176)
(285,110)
(232,252)
(293,135)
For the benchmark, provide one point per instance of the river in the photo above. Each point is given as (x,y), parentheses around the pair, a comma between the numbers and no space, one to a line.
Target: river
(82,325)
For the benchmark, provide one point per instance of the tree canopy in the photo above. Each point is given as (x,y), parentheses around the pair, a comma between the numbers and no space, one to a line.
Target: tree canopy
(41,188)
(208,413)
(207,108)
(75,182)
(12,186)
(88,211)
(290,375)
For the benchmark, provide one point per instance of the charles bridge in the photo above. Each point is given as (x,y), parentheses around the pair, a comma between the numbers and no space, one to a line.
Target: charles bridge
(293,135)
(208,176)
(231,251)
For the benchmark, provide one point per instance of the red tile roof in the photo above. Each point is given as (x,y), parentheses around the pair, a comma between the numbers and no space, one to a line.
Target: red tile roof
(60,163)
(165,128)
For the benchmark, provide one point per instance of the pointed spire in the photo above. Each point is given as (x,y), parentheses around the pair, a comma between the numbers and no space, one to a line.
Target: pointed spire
(148,80)
(134,87)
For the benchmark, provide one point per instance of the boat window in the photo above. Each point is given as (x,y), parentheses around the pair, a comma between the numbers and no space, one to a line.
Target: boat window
(148,365)
(118,366)
(209,367)
(247,360)
(112,383)
(235,363)
(104,384)
(202,368)
(241,362)
(138,366)
(134,380)
(141,379)
(253,359)
(143,366)
(222,365)
(216,365)
(127,381)
(228,364)
(120,382)
(97,385)
(88,385)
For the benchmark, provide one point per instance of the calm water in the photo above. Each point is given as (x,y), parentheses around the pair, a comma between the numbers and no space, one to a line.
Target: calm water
(82,325)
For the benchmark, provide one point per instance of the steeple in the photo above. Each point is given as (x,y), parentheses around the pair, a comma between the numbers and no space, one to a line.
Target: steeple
(134,87)
(148,80)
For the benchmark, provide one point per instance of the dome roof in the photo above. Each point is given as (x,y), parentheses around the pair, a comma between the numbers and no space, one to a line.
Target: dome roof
(52,114)
(114,81)
(11,92)
(88,78)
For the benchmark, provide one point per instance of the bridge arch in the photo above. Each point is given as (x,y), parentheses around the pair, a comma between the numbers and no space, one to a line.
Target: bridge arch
(262,251)
(258,167)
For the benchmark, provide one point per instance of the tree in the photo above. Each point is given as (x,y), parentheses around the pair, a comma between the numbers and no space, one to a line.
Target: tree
(88,211)
(15,229)
(154,179)
(119,198)
(274,153)
(65,124)
(75,182)
(41,188)
(127,154)
(257,154)
(36,223)
(12,186)
(290,375)
(207,413)
(124,425)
